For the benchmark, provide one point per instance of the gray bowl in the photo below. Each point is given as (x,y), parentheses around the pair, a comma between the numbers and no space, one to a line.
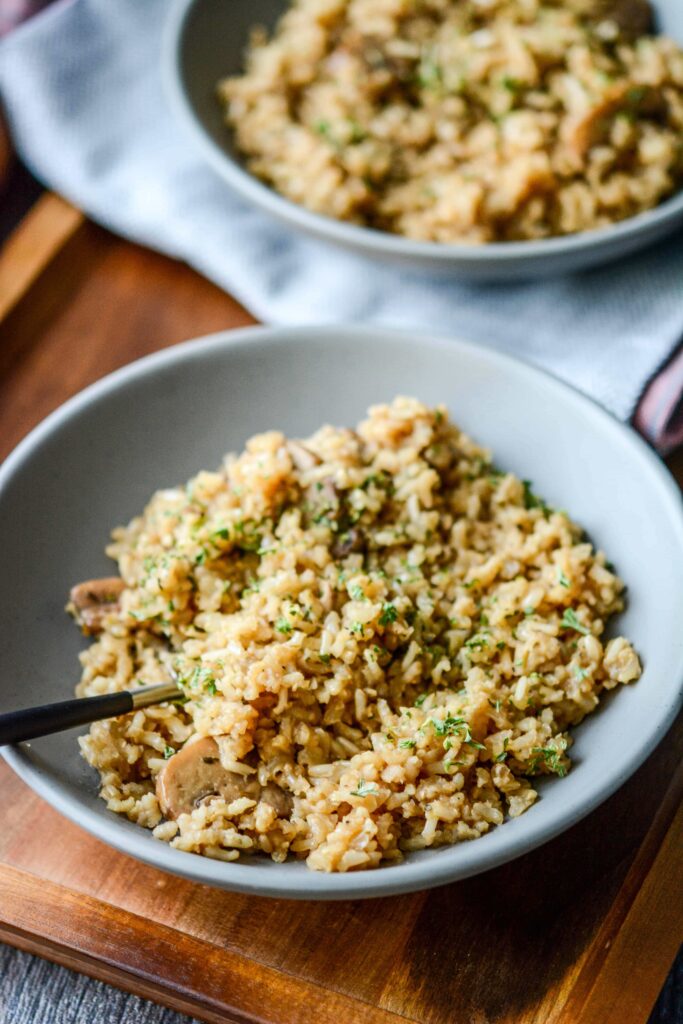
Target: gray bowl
(205,41)
(94,462)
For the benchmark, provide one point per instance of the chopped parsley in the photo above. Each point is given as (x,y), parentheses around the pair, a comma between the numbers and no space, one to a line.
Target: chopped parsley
(168,752)
(383,480)
(389,614)
(449,726)
(283,626)
(407,744)
(356,627)
(365,789)
(532,500)
(476,642)
(421,699)
(358,134)
(429,73)
(512,85)
(453,725)
(504,752)
(247,539)
(562,579)
(550,758)
(570,621)
(357,593)
(323,128)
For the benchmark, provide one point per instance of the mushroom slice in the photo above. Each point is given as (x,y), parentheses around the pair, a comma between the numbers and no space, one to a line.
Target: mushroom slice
(592,127)
(277,798)
(593,124)
(351,542)
(92,600)
(196,772)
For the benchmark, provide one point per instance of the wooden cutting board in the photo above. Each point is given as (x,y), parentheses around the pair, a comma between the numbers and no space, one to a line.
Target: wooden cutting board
(582,930)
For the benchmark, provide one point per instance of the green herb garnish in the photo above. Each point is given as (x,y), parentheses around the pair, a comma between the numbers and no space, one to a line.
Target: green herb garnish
(429,73)
(512,85)
(570,621)
(550,757)
(532,500)
(476,642)
(365,789)
(389,614)
(322,128)
(504,752)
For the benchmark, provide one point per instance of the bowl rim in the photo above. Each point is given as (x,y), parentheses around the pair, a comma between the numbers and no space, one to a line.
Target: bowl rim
(455,862)
(371,239)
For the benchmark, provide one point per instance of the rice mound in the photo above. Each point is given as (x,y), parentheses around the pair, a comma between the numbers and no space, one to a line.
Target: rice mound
(471,121)
(381,623)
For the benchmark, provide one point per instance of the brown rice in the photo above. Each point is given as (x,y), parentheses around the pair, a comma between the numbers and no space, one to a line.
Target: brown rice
(380,623)
(470,121)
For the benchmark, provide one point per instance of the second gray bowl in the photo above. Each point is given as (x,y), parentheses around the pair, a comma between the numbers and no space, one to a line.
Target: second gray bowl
(205,41)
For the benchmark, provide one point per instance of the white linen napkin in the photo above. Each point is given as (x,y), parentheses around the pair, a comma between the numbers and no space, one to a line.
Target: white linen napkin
(81,84)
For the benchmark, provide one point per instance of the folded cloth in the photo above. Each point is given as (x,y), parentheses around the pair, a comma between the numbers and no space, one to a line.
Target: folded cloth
(81,85)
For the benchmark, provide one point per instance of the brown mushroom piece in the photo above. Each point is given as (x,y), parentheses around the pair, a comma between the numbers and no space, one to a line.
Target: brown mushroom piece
(92,600)
(633,18)
(351,542)
(593,127)
(195,772)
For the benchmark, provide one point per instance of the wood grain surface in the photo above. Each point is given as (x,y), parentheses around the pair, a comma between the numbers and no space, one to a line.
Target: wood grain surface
(582,930)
